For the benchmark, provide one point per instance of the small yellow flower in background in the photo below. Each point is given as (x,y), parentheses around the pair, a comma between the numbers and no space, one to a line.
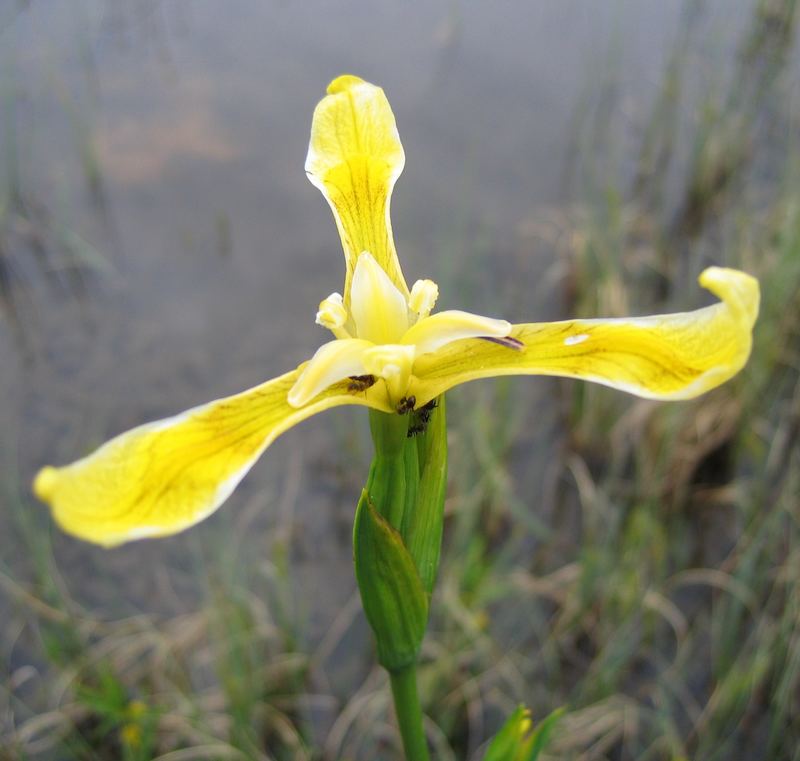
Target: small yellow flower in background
(131,735)
(131,731)
(388,353)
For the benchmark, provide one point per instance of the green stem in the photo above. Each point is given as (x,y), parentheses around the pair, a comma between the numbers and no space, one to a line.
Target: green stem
(409,713)
(388,483)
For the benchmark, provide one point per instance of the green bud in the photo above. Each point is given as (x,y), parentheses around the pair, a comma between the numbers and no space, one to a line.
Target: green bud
(398,529)
(392,594)
(519,740)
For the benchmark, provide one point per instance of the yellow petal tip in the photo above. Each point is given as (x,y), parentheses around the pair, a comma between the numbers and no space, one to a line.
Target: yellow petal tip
(737,289)
(44,485)
(343,83)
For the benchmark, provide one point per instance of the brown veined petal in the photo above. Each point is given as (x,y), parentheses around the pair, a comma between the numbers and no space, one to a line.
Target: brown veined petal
(672,356)
(162,477)
(354,158)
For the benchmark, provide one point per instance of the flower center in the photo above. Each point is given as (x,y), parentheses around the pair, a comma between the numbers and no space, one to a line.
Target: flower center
(379,312)
(393,363)
(383,333)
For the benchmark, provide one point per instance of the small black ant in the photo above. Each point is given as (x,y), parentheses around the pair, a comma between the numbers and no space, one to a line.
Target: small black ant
(422,418)
(360,382)
(406,405)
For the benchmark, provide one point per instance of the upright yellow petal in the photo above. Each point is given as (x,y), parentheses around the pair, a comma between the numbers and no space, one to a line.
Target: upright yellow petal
(163,477)
(354,158)
(673,356)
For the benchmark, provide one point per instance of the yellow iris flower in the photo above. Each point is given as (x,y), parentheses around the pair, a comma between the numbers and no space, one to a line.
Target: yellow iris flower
(389,352)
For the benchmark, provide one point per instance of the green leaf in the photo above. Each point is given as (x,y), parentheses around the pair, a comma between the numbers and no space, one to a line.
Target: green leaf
(392,594)
(519,740)
(541,734)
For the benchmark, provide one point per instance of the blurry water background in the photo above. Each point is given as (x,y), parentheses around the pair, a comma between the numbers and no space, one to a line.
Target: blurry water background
(160,246)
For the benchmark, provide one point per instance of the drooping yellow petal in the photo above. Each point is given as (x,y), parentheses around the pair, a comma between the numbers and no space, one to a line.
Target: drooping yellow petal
(674,356)
(163,477)
(354,158)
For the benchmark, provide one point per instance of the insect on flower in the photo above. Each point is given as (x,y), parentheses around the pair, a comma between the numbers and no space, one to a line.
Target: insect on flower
(361,382)
(389,351)
(406,405)
(422,418)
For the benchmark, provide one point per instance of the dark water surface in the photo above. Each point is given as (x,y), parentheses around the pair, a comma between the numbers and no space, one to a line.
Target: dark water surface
(168,139)
(164,246)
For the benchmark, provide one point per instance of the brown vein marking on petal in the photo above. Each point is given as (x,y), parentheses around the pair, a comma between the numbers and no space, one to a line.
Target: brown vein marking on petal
(509,342)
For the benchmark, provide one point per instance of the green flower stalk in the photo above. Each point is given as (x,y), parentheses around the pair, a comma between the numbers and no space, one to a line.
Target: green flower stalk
(389,352)
(397,540)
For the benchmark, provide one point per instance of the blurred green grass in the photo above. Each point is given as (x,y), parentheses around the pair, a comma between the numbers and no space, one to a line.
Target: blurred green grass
(646,575)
